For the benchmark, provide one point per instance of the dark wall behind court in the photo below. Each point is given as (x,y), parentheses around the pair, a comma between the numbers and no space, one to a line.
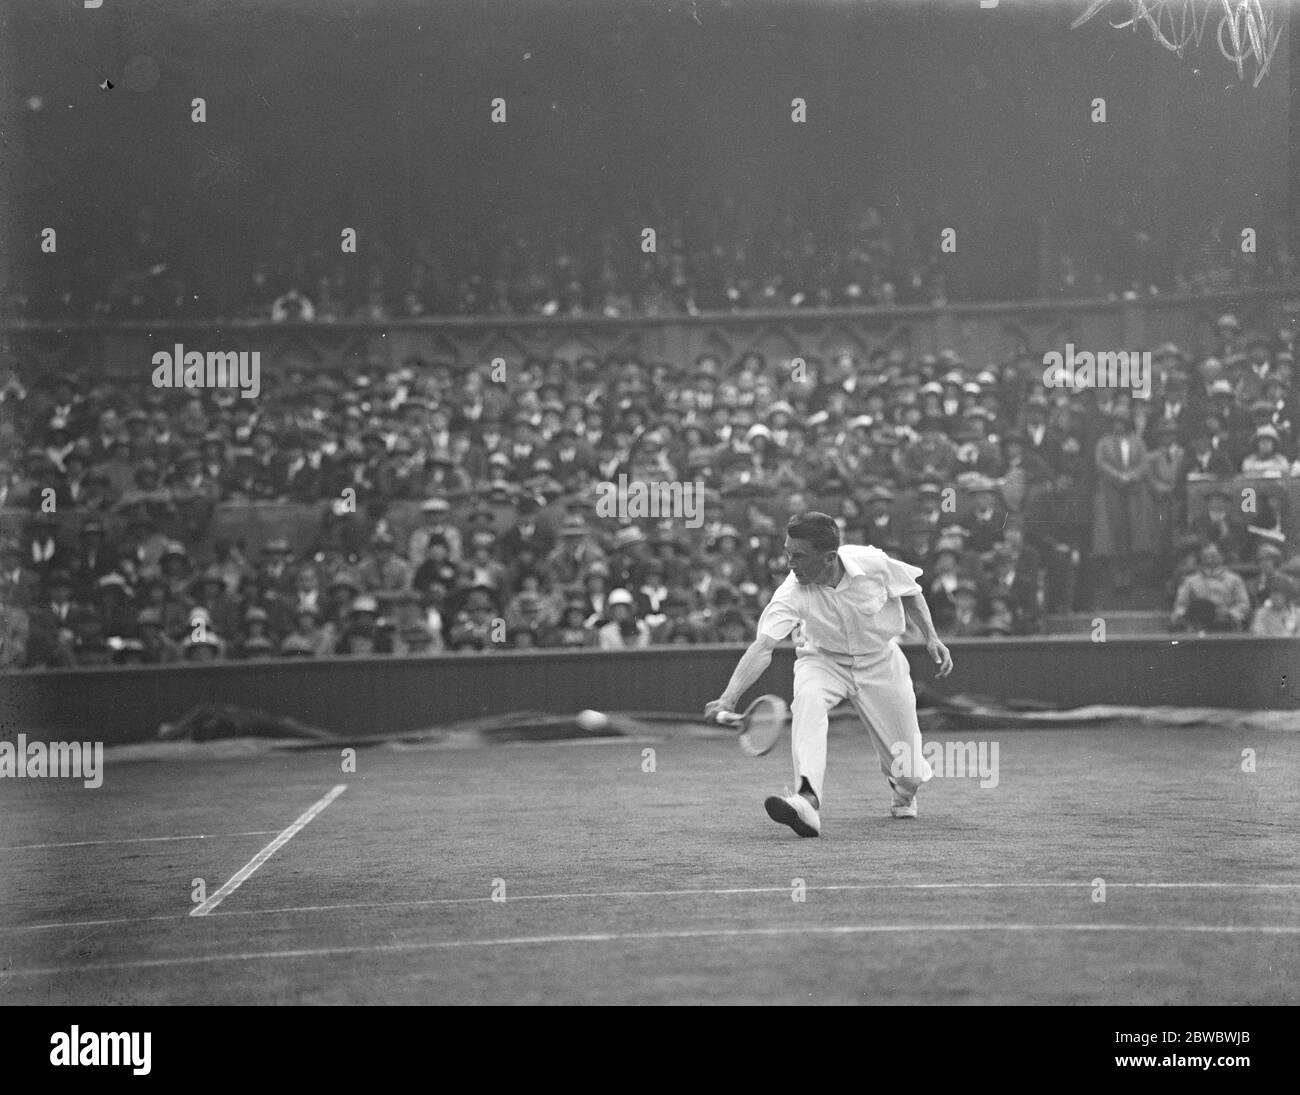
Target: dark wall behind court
(374,115)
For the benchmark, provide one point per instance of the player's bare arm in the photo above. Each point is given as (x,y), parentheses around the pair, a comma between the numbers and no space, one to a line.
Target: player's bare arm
(918,613)
(750,667)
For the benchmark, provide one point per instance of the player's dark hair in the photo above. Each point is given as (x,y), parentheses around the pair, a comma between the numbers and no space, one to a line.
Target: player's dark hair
(818,529)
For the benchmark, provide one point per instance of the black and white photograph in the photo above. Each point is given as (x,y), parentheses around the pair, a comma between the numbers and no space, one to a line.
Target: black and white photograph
(651,503)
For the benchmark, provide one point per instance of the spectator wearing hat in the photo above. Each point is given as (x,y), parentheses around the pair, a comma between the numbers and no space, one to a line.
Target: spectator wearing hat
(595,586)
(940,585)
(570,454)
(976,451)
(208,590)
(1278,617)
(528,609)
(629,551)
(1172,410)
(672,552)
(434,522)
(1039,437)
(256,629)
(174,568)
(342,590)
(576,550)
(879,528)
(930,457)
(436,568)
(572,629)
(1264,459)
(1015,573)
(297,646)
(475,628)
(319,636)
(527,531)
(195,494)
(651,592)
(158,647)
(624,630)
(1001,619)
(1218,526)
(987,517)
(919,539)
(202,647)
(1212,598)
(91,559)
(726,562)
(1268,556)
(1207,459)
(1165,464)
(483,566)
(113,602)
(384,570)
(966,620)
(1123,529)
(275,569)
(361,635)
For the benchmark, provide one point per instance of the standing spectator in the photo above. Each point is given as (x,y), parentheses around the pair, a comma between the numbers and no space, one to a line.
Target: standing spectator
(1122,531)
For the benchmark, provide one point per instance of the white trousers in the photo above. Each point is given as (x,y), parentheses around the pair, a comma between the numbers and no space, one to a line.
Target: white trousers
(879,686)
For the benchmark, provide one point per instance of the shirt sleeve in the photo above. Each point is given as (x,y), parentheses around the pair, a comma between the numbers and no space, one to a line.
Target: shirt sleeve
(900,578)
(778,619)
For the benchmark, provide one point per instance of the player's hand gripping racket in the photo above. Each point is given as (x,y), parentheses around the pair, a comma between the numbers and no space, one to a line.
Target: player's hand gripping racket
(759,725)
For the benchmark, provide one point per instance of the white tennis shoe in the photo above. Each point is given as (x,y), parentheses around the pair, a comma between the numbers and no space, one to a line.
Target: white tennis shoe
(795,811)
(904,805)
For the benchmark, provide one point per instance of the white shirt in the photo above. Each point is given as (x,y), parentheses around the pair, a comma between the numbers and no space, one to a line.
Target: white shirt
(861,615)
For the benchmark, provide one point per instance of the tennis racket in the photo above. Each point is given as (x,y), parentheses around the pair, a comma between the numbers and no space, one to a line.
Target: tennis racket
(759,726)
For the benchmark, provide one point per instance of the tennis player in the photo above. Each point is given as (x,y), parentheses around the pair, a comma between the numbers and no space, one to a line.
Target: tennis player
(848,605)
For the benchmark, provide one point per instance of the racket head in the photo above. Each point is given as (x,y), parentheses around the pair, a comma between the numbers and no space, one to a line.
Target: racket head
(761,725)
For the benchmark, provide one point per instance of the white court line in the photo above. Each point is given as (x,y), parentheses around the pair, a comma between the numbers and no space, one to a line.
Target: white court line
(637,937)
(588,896)
(244,872)
(866,887)
(131,840)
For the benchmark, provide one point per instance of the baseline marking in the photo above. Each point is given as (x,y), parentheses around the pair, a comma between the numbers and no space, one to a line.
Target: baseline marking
(622,937)
(866,887)
(244,872)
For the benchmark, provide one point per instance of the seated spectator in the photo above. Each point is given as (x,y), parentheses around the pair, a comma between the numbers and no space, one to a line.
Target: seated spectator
(1213,598)
(941,584)
(1217,526)
(1279,615)
(1001,619)
(1264,459)
(624,630)
(966,620)
(1269,558)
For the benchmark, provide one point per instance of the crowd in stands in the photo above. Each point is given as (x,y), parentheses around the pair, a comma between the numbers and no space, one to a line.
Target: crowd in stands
(459,512)
(864,258)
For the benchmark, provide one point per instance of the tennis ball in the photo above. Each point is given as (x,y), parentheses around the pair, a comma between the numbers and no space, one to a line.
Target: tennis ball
(592,720)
